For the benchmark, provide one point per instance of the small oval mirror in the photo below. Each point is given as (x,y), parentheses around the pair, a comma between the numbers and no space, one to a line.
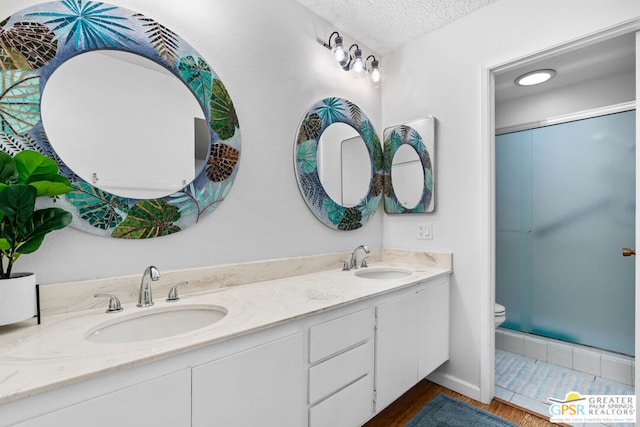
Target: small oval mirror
(407,176)
(349,151)
(344,166)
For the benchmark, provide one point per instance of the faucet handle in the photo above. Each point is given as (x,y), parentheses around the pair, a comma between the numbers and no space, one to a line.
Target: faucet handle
(173,292)
(114,302)
(364,262)
(345,266)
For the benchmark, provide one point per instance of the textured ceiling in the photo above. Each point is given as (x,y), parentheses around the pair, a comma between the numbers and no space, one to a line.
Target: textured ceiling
(384,25)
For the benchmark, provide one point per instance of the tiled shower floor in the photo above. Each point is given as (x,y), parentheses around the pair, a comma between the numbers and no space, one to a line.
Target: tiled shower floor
(529,383)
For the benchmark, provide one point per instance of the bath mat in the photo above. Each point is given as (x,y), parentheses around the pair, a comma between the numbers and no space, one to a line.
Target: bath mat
(446,411)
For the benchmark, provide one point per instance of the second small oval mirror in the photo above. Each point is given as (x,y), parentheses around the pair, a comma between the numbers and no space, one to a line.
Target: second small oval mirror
(139,133)
(409,168)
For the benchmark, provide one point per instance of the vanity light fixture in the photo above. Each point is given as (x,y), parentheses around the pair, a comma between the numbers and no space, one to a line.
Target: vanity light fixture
(356,64)
(351,59)
(374,69)
(535,77)
(337,49)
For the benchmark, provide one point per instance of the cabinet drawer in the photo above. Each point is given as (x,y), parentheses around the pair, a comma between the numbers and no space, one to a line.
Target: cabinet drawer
(336,335)
(349,407)
(333,374)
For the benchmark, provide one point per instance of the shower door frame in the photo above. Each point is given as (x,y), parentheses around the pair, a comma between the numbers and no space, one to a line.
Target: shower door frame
(487,353)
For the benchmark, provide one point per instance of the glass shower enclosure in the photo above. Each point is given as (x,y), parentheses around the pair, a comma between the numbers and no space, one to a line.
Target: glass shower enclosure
(565,208)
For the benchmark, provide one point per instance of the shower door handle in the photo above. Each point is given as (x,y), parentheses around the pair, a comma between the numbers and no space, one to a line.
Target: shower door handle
(628,252)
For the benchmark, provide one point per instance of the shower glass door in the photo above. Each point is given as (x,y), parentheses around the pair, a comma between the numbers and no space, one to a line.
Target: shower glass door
(565,207)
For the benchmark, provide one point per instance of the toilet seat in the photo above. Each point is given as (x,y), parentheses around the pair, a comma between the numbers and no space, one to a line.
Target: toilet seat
(499,314)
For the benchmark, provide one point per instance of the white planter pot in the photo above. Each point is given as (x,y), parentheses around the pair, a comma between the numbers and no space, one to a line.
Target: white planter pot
(18,298)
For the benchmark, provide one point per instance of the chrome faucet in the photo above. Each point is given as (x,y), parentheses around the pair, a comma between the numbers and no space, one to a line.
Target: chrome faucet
(145,299)
(354,261)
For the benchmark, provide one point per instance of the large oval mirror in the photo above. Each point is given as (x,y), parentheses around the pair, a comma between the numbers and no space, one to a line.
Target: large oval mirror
(151,152)
(344,166)
(159,186)
(409,167)
(339,119)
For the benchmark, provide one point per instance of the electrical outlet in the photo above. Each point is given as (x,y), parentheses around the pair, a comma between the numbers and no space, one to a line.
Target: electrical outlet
(425,231)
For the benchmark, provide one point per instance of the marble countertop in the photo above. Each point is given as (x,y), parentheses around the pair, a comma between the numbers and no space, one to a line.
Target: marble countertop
(37,358)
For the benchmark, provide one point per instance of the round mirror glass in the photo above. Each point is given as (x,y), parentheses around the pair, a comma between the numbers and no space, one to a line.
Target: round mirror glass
(344,166)
(407,176)
(140,133)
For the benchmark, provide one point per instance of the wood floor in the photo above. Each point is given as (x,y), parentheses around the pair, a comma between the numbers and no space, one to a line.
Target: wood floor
(410,403)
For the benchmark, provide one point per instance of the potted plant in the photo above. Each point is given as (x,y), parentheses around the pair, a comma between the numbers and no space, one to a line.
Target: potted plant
(23,179)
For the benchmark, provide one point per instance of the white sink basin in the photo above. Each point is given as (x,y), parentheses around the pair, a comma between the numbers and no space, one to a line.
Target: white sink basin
(382,273)
(156,323)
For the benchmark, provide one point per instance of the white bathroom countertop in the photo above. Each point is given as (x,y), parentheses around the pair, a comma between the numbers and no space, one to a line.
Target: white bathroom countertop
(37,358)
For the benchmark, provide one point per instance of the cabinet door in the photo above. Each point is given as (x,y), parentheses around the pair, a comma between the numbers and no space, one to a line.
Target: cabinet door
(396,354)
(162,402)
(264,386)
(433,321)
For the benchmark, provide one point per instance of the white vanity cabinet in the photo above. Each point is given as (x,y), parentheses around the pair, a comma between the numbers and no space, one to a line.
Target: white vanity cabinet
(341,370)
(333,368)
(412,339)
(262,386)
(161,402)
(434,326)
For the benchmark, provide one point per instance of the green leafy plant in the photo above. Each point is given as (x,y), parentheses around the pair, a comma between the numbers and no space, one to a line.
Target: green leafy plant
(23,179)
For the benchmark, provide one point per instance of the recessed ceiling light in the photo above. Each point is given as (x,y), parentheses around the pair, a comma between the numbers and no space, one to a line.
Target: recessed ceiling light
(535,77)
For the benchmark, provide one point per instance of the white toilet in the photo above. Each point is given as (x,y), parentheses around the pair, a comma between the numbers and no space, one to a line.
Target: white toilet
(499,314)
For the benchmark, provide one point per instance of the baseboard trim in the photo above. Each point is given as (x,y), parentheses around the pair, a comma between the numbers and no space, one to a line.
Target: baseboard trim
(456,384)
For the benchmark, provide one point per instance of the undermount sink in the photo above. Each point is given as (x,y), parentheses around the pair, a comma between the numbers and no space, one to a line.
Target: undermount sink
(156,323)
(382,273)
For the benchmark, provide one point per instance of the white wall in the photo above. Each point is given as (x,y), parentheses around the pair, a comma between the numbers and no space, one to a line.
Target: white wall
(444,74)
(270,60)
(596,93)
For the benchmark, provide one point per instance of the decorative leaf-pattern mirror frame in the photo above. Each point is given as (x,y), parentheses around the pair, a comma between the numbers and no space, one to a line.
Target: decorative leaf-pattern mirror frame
(320,116)
(36,41)
(420,135)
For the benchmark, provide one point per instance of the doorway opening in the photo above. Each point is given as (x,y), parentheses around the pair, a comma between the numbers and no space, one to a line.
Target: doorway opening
(592,75)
